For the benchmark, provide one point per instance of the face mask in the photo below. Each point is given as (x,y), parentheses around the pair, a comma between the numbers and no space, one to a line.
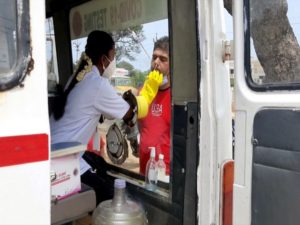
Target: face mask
(165,81)
(110,70)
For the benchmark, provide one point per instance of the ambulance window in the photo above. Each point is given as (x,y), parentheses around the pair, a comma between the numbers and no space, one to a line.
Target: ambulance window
(14,45)
(53,78)
(135,27)
(273,56)
(8,32)
(7,36)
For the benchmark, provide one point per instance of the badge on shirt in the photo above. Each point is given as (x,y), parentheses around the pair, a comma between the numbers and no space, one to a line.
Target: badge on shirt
(156,109)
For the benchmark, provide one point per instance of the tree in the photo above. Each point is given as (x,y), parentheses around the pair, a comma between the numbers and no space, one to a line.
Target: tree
(125,65)
(138,77)
(274,40)
(128,42)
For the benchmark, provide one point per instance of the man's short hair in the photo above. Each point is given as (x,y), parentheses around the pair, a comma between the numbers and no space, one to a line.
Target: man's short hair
(162,43)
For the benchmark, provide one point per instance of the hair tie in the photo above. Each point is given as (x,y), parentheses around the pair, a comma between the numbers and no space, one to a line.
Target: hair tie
(87,68)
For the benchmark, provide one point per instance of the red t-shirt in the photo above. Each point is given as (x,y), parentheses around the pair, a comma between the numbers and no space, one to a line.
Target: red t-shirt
(155,130)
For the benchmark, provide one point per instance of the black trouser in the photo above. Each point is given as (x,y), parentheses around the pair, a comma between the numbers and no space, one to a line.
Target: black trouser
(99,181)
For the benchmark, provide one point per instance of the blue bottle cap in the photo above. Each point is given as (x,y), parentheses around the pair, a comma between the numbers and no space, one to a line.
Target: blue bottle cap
(119,183)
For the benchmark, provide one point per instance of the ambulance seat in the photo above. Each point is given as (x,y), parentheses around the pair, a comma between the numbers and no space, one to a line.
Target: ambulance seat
(73,207)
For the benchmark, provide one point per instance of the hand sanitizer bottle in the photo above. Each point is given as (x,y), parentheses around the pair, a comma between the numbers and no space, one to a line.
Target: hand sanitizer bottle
(161,168)
(151,172)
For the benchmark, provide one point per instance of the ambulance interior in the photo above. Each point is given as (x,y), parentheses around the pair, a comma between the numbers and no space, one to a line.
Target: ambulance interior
(176,201)
(67,26)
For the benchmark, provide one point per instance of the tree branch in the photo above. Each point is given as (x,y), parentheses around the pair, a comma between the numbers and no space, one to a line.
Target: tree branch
(228,6)
(274,40)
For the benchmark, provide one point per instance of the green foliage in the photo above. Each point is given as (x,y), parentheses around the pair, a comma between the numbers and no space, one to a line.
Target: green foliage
(125,65)
(128,42)
(138,77)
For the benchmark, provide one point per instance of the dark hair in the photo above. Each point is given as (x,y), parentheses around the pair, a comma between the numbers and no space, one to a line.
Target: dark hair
(162,43)
(98,43)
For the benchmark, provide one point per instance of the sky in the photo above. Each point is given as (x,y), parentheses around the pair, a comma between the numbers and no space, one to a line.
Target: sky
(152,31)
(160,28)
(294,16)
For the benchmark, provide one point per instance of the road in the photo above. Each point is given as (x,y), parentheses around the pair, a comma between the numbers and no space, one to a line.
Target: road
(131,163)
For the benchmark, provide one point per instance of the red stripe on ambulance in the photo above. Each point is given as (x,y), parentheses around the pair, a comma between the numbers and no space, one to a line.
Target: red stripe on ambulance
(15,150)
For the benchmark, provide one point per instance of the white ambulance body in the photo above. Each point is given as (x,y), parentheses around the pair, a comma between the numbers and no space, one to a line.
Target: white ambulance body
(24,121)
(261,187)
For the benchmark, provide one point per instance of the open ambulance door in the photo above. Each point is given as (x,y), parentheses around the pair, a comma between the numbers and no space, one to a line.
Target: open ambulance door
(175,202)
(267,120)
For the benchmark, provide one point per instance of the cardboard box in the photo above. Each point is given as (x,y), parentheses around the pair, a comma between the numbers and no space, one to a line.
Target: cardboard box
(65,177)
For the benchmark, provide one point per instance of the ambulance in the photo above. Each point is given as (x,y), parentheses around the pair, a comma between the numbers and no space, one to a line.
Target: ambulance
(211,183)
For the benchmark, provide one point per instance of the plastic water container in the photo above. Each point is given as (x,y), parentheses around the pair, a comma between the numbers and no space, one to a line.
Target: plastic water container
(119,210)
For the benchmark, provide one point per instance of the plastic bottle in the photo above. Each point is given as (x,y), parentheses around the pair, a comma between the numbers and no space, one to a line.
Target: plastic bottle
(161,168)
(119,193)
(119,210)
(151,171)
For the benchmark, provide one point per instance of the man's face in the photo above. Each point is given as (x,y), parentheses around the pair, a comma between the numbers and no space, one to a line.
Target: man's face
(160,62)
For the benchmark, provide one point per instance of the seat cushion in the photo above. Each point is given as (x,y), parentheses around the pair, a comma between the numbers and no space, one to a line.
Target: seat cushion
(73,207)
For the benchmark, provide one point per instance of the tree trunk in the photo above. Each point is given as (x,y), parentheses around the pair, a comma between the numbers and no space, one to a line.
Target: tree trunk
(274,40)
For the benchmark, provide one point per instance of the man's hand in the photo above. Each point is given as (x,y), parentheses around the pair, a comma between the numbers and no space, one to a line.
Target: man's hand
(151,86)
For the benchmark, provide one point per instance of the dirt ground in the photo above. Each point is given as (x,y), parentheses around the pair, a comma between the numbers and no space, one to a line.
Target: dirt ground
(87,220)
(131,163)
